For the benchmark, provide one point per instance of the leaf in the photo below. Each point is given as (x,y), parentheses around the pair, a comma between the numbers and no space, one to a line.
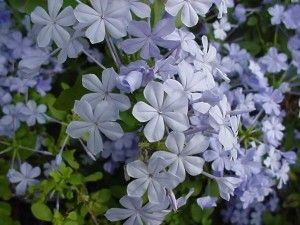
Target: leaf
(128,122)
(69,157)
(158,8)
(93,177)
(41,211)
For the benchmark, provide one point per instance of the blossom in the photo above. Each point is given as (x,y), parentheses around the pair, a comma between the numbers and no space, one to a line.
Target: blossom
(274,61)
(190,81)
(24,178)
(139,8)
(277,13)
(220,28)
(227,185)
(103,90)
(145,39)
(34,113)
(207,202)
(100,120)
(53,23)
(189,10)
(104,16)
(219,157)
(134,213)
(272,128)
(183,157)
(170,110)
(151,178)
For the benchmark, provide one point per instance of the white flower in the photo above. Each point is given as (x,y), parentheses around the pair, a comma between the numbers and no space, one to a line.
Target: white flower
(24,178)
(220,28)
(105,16)
(151,178)
(182,156)
(104,90)
(170,110)
(139,8)
(189,9)
(226,126)
(53,23)
(191,83)
(101,119)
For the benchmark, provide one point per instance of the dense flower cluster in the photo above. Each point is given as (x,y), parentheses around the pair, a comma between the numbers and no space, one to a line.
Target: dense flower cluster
(173,106)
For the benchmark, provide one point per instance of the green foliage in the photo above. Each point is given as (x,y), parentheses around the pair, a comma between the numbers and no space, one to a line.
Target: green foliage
(41,211)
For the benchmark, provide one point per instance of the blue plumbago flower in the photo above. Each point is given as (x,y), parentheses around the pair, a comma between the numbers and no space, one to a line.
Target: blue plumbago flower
(134,76)
(145,39)
(43,85)
(240,13)
(221,158)
(34,113)
(207,202)
(151,178)
(190,82)
(101,119)
(138,8)
(220,28)
(124,149)
(26,177)
(274,61)
(175,204)
(223,5)
(135,213)
(13,115)
(5,97)
(182,42)
(104,17)
(17,44)
(53,23)
(273,128)
(227,185)
(182,157)
(20,85)
(277,13)
(103,90)
(291,17)
(270,100)
(189,10)
(170,110)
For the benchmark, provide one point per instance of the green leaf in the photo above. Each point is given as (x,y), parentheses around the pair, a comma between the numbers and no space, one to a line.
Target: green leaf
(252,21)
(41,211)
(69,157)
(128,122)
(158,8)
(5,209)
(93,177)
(66,99)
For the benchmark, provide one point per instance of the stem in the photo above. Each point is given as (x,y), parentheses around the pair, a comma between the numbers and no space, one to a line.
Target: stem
(208,175)
(93,217)
(92,58)
(276,35)
(6,150)
(113,51)
(51,119)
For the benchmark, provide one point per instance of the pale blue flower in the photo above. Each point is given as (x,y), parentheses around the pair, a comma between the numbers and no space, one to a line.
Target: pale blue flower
(207,202)
(25,178)
(277,13)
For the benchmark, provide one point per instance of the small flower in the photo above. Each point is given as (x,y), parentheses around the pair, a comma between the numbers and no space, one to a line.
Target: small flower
(189,10)
(220,28)
(170,110)
(105,16)
(24,178)
(103,90)
(207,202)
(151,178)
(274,61)
(34,113)
(227,185)
(53,23)
(134,213)
(272,128)
(183,157)
(277,13)
(145,39)
(100,120)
